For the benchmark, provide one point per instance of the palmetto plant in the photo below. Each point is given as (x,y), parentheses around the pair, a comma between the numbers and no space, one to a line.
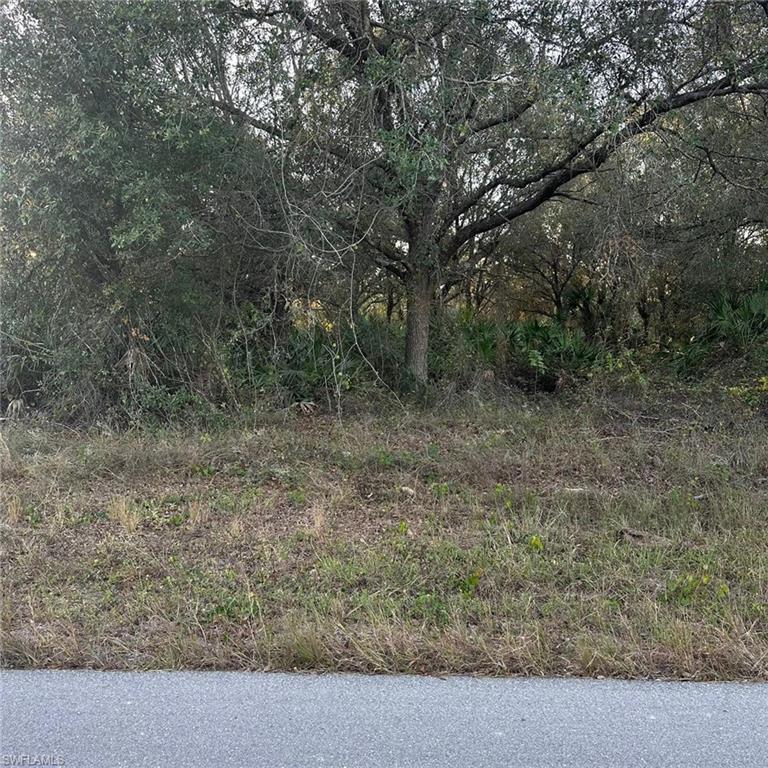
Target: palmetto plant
(735,325)
(552,347)
(740,322)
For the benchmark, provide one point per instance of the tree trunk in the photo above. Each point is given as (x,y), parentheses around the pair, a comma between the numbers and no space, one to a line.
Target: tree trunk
(390,303)
(420,288)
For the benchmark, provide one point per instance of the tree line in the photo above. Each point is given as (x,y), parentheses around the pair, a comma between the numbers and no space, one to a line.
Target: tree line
(205,200)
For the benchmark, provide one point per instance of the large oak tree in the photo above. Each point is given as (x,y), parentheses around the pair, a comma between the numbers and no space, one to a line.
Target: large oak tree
(418,128)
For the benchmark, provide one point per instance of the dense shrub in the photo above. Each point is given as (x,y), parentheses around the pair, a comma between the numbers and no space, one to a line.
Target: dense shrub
(735,326)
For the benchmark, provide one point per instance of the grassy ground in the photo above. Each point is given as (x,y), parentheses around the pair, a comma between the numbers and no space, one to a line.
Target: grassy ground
(621,536)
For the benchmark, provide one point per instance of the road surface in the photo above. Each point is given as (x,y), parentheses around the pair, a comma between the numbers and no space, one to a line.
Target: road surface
(86,719)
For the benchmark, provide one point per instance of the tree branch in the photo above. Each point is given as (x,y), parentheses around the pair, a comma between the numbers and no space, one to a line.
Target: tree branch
(723,87)
(243,116)
(346,48)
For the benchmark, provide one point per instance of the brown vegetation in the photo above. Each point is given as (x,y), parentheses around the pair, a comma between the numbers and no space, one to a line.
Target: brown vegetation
(619,537)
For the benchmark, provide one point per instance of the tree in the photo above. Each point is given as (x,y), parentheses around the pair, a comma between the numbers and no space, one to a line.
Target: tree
(425,125)
(135,218)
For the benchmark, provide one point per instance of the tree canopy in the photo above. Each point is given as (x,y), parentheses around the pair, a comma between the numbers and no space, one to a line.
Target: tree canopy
(183,180)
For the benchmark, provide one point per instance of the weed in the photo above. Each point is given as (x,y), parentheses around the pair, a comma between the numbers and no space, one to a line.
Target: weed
(441,490)
(618,537)
(124,512)
(297,497)
(468,585)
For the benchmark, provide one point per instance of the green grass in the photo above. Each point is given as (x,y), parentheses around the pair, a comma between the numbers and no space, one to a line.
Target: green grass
(623,536)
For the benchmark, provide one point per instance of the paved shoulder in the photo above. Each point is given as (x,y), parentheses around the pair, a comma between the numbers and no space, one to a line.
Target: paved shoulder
(94,719)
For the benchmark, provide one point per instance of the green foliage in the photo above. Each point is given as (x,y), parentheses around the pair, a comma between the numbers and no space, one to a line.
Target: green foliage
(469,584)
(312,365)
(543,351)
(461,346)
(159,404)
(690,587)
(481,336)
(752,393)
(739,322)
(163,259)
(735,326)
(464,345)
(115,244)
(381,344)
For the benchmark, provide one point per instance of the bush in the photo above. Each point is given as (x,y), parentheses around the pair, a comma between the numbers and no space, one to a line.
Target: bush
(541,352)
(314,364)
(740,322)
(158,404)
(461,346)
(735,326)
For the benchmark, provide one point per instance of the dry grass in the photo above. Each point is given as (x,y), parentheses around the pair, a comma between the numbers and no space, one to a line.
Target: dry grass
(197,512)
(620,537)
(12,510)
(122,511)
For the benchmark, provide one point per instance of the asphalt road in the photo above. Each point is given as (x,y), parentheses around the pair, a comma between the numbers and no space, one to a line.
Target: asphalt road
(89,719)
